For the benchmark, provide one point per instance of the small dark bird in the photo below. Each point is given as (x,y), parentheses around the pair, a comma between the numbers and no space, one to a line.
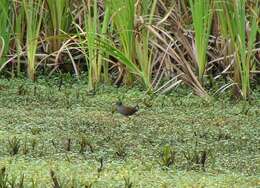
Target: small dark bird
(126,110)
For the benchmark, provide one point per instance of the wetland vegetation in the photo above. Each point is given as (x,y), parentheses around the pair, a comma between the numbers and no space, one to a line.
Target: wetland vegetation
(178,140)
(192,67)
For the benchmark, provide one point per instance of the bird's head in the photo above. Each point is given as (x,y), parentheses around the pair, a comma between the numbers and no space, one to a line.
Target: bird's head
(119,103)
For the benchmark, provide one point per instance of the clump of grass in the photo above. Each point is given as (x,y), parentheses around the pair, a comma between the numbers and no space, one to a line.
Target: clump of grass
(202,18)
(88,185)
(14,184)
(58,21)
(68,100)
(167,156)
(128,182)
(196,158)
(34,143)
(241,28)
(14,145)
(6,182)
(35,130)
(34,183)
(21,90)
(67,144)
(223,136)
(3,178)
(33,14)
(123,20)
(84,143)
(25,148)
(195,154)
(120,150)
(55,181)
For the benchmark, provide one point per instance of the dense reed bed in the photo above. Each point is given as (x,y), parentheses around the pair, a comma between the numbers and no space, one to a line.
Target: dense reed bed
(210,45)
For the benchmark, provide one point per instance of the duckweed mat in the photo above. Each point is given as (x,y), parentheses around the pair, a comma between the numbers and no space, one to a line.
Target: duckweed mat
(66,136)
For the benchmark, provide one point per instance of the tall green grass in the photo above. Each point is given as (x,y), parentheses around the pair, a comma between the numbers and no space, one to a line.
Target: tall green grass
(134,53)
(19,30)
(93,30)
(34,14)
(5,29)
(126,41)
(242,30)
(58,21)
(202,18)
(144,53)
(123,20)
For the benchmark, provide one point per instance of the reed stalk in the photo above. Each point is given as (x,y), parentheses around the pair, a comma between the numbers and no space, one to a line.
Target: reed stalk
(34,14)
(5,29)
(202,18)
(242,30)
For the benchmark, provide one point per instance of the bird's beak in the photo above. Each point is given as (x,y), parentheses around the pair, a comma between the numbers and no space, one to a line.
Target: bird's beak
(113,110)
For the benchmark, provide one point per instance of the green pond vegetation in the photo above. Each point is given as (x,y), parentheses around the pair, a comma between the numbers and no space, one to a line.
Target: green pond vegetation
(65,136)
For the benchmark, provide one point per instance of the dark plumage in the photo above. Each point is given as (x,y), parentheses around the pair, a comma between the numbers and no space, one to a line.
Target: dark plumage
(126,110)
